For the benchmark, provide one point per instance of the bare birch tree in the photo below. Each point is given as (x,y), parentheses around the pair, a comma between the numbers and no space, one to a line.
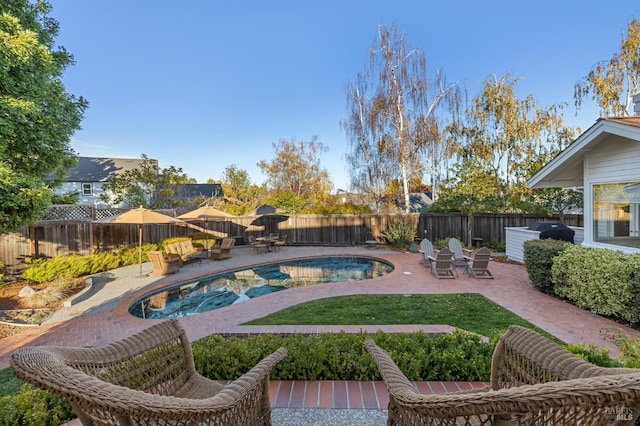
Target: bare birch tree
(390,105)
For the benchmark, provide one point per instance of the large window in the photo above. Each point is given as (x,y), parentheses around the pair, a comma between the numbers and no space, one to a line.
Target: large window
(616,213)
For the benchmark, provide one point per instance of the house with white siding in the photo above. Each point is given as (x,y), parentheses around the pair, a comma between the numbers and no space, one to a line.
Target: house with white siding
(91,173)
(605,162)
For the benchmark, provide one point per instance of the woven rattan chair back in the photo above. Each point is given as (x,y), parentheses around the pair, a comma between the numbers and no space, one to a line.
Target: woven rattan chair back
(534,381)
(147,379)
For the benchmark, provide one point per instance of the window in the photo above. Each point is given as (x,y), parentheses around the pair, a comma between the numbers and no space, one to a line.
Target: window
(616,213)
(87,189)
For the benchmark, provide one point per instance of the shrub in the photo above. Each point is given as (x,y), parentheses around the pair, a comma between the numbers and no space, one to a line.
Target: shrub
(74,266)
(130,255)
(33,406)
(341,356)
(44,270)
(441,243)
(594,354)
(495,245)
(629,346)
(399,234)
(600,280)
(538,257)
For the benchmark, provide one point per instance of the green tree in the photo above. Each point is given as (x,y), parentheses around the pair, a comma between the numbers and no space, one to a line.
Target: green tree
(149,186)
(391,128)
(239,194)
(296,169)
(613,83)
(473,189)
(37,116)
(507,135)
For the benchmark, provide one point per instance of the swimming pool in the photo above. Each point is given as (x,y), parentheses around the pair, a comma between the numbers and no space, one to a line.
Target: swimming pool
(219,290)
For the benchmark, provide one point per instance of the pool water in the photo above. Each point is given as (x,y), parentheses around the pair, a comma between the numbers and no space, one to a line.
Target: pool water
(217,291)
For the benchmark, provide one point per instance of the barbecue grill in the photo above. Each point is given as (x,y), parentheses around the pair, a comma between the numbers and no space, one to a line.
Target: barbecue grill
(554,230)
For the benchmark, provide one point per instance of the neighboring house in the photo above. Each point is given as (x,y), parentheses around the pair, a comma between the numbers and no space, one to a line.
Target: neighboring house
(196,193)
(91,173)
(419,201)
(605,161)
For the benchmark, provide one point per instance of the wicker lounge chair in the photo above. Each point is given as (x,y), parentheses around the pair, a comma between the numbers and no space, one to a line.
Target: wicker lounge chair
(223,251)
(478,266)
(442,264)
(426,248)
(185,250)
(162,265)
(534,381)
(147,379)
(460,255)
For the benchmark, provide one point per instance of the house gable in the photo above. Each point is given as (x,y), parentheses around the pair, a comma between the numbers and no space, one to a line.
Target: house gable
(604,161)
(94,169)
(567,169)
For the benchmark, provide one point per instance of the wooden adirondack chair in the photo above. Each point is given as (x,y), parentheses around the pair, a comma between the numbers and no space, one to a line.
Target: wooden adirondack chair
(442,264)
(478,267)
(460,255)
(426,248)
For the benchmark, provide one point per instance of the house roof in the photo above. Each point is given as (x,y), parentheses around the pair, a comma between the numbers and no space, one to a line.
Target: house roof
(95,169)
(566,169)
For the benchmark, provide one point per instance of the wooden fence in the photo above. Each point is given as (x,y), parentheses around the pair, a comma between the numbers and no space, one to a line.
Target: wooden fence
(85,236)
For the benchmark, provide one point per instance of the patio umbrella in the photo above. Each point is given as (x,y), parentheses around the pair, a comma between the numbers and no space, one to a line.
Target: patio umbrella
(267,215)
(140,217)
(205,213)
(265,209)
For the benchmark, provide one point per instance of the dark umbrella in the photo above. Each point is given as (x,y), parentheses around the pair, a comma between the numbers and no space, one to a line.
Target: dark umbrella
(265,209)
(205,213)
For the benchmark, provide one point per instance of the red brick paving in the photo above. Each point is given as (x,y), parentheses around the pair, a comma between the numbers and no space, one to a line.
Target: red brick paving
(510,288)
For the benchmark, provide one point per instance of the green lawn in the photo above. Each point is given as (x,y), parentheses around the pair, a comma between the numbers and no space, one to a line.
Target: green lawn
(471,312)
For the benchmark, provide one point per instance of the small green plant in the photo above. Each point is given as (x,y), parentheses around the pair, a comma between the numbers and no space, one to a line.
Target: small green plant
(56,291)
(399,234)
(629,346)
(441,243)
(495,245)
(594,354)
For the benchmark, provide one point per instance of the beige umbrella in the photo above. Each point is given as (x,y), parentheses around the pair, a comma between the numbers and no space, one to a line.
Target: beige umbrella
(142,216)
(205,213)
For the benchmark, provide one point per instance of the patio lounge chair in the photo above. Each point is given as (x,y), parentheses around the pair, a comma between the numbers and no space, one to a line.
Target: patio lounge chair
(147,379)
(163,265)
(534,381)
(478,267)
(442,264)
(223,251)
(460,255)
(426,248)
(185,250)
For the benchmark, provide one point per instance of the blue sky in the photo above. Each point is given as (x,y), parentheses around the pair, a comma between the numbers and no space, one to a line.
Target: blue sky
(204,84)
